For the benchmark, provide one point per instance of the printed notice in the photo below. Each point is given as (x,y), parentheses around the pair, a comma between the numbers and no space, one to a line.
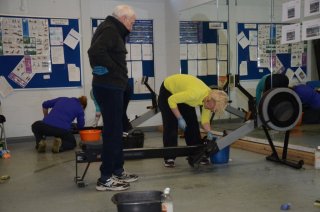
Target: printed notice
(72,39)
(311,29)
(291,10)
(290,33)
(311,7)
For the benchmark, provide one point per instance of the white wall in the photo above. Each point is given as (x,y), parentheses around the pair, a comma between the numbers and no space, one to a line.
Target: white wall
(23,107)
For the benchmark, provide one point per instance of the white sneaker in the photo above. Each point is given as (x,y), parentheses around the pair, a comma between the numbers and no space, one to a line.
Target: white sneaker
(169,163)
(111,185)
(126,177)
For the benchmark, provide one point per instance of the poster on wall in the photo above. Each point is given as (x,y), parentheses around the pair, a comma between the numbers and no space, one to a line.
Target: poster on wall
(32,53)
(291,10)
(311,29)
(311,7)
(290,33)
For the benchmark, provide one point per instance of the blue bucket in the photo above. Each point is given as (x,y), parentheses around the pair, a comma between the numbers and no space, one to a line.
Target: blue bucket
(221,157)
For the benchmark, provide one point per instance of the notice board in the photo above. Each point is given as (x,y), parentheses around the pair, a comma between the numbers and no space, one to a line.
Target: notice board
(39,52)
(204,50)
(259,52)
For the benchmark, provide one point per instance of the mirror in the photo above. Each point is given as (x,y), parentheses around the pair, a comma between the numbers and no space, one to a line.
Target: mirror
(253,48)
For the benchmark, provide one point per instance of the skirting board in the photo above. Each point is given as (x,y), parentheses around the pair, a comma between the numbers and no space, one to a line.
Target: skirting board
(265,149)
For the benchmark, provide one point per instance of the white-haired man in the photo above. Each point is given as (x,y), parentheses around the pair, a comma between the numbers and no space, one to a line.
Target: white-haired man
(107,56)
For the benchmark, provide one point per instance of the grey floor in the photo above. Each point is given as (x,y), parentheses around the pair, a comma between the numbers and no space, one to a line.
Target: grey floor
(44,182)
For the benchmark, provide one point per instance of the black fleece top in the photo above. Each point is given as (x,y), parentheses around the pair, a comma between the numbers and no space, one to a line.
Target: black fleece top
(108,49)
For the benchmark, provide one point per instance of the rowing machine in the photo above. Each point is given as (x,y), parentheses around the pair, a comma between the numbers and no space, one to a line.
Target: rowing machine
(279,109)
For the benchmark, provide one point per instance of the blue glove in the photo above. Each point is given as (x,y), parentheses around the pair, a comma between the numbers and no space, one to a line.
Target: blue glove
(100,70)
(211,137)
(182,123)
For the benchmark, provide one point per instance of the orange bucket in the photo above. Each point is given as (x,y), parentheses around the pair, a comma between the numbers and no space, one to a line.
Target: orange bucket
(90,135)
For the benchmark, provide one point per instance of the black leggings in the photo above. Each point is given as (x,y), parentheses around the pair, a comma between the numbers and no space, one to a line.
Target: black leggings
(170,123)
(41,130)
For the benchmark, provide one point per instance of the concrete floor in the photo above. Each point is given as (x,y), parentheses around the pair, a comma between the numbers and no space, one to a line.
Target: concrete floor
(44,182)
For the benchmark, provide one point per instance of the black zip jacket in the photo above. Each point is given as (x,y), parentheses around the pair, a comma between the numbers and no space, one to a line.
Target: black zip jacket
(108,49)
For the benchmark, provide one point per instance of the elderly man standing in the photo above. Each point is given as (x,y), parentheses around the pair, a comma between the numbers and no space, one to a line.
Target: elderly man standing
(107,55)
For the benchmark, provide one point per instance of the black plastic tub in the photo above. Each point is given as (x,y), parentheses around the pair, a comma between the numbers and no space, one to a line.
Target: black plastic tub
(135,139)
(138,201)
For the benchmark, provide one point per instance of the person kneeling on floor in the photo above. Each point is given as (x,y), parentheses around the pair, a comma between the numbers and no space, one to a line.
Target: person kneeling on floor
(58,123)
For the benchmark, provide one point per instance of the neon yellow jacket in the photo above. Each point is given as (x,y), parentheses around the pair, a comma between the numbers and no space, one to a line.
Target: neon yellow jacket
(189,90)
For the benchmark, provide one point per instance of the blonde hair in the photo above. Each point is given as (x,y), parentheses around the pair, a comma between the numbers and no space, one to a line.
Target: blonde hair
(221,99)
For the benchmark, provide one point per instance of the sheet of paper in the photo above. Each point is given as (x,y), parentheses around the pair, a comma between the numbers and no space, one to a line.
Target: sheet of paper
(202,51)
(57,55)
(72,39)
(222,68)
(136,52)
(243,68)
(250,26)
(290,33)
(296,59)
(215,25)
(263,60)
(137,77)
(277,66)
(136,67)
(311,7)
(183,52)
(253,52)
(253,37)
(20,76)
(56,36)
(192,51)
(46,76)
(128,48)
(243,40)
(290,74)
(212,50)
(291,10)
(73,73)
(223,36)
(59,21)
(311,29)
(212,67)
(240,36)
(5,87)
(300,75)
(147,52)
(192,67)
(12,37)
(129,69)
(140,88)
(223,52)
(202,68)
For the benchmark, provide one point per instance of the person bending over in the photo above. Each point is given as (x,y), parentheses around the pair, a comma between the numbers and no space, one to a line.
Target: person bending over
(58,123)
(308,95)
(107,56)
(269,81)
(179,95)
(310,99)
